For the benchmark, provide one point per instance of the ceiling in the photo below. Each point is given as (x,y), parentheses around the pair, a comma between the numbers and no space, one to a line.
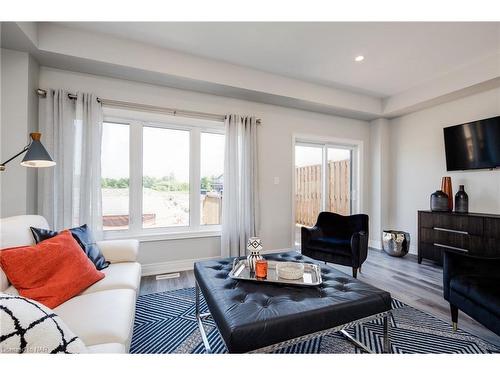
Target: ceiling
(398,56)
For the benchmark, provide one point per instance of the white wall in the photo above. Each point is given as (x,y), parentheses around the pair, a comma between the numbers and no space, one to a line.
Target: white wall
(275,151)
(418,160)
(380,179)
(19,117)
(32,126)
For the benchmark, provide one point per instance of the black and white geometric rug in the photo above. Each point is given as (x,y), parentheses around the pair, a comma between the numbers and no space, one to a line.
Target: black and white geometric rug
(165,323)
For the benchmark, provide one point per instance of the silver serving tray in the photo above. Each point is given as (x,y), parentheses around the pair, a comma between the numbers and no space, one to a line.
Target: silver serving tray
(312,274)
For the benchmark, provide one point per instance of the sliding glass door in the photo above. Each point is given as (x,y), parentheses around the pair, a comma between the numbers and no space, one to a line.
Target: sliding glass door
(324,181)
(339,186)
(308,184)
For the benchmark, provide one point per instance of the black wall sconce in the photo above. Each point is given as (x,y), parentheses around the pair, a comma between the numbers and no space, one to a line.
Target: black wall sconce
(36,155)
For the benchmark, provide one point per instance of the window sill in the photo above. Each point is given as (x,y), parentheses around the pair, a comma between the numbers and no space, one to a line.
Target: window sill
(149,237)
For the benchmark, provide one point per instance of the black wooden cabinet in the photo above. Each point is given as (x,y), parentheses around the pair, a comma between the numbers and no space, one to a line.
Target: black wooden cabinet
(473,234)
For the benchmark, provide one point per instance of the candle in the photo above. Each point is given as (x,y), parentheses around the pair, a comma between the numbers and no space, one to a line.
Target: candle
(261,268)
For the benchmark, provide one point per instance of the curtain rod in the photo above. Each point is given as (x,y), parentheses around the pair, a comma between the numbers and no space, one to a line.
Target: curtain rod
(150,108)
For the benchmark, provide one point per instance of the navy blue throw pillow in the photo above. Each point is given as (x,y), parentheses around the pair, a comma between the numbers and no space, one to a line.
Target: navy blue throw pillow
(83,237)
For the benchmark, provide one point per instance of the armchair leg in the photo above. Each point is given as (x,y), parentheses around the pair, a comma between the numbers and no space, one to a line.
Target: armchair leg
(454,317)
(354,272)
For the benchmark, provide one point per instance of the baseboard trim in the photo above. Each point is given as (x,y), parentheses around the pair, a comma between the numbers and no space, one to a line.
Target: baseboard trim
(172,266)
(413,249)
(375,244)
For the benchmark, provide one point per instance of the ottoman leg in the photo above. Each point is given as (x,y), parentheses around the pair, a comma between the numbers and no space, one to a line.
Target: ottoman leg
(454,317)
(199,318)
(359,344)
(387,341)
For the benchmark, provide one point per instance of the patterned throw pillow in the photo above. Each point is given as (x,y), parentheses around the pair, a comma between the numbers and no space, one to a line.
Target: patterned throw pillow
(27,326)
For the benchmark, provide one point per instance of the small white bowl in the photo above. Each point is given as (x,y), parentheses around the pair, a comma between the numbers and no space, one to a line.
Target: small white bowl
(290,270)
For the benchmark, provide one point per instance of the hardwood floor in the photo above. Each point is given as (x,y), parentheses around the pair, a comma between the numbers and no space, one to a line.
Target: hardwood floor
(418,285)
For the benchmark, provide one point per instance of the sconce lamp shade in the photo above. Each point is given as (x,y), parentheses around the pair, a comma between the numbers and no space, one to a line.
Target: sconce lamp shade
(37,156)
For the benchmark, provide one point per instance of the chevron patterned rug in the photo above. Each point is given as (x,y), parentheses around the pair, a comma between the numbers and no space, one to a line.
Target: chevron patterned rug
(165,323)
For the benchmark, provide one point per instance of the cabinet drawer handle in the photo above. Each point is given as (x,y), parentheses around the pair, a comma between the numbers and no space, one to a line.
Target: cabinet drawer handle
(450,230)
(451,247)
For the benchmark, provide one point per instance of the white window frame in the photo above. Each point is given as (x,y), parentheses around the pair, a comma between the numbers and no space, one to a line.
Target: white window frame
(357,169)
(137,120)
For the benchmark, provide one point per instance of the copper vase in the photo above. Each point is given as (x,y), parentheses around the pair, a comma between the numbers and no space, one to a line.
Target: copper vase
(448,190)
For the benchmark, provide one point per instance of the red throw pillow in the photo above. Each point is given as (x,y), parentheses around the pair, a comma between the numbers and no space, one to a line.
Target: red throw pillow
(50,272)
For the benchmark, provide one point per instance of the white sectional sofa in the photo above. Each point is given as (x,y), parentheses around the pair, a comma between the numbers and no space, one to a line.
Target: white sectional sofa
(102,315)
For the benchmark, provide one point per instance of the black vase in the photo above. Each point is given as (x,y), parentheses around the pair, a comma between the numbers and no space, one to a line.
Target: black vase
(439,201)
(461,201)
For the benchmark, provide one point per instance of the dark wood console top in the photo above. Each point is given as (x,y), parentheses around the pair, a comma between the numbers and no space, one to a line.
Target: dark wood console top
(470,214)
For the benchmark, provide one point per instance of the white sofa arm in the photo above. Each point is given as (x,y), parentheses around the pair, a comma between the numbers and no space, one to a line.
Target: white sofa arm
(116,251)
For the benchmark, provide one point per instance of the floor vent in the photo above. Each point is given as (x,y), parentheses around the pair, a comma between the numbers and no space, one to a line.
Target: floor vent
(174,275)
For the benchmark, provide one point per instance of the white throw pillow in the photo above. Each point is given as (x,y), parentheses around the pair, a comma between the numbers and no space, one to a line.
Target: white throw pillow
(27,326)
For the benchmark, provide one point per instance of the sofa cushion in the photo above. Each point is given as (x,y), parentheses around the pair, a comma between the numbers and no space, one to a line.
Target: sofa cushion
(101,317)
(483,290)
(14,232)
(117,251)
(27,326)
(84,238)
(11,290)
(50,272)
(118,276)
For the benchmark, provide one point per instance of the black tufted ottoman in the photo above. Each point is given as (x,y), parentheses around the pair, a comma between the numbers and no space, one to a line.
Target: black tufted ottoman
(263,317)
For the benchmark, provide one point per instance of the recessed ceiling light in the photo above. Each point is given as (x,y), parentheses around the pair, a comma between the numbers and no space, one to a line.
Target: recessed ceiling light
(359,58)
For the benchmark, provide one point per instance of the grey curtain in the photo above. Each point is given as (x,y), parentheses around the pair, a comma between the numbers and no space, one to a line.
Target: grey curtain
(69,194)
(240,202)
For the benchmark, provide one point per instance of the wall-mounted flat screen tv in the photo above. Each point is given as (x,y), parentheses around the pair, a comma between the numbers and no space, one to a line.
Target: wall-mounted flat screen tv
(473,145)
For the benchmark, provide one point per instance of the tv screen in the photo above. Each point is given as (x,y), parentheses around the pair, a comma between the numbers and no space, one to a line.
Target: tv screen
(474,145)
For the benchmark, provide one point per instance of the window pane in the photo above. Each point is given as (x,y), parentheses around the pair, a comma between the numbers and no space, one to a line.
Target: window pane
(308,186)
(115,176)
(339,184)
(165,177)
(212,177)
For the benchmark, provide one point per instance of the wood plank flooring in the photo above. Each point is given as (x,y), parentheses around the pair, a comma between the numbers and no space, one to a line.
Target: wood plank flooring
(418,285)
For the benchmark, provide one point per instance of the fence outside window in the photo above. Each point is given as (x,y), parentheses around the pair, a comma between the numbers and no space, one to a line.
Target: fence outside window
(308,190)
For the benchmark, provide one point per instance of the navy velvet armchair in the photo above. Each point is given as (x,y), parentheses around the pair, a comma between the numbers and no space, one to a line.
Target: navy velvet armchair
(337,239)
(472,284)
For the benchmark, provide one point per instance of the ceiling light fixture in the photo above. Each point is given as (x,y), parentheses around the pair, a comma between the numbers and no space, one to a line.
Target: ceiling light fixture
(359,58)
